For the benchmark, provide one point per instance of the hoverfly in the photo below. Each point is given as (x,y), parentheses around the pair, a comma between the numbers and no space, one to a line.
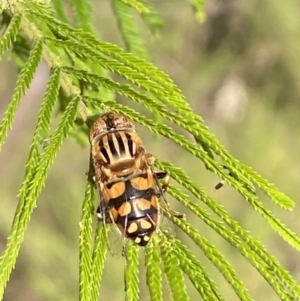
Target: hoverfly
(128,185)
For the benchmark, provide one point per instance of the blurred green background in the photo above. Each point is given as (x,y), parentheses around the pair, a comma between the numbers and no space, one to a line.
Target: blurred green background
(240,71)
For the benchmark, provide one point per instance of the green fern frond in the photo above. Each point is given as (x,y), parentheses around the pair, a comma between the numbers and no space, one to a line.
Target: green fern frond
(215,257)
(153,274)
(269,272)
(194,124)
(24,80)
(129,29)
(138,5)
(152,18)
(83,14)
(238,237)
(131,273)
(42,129)
(85,243)
(136,70)
(288,235)
(22,215)
(173,273)
(50,98)
(180,177)
(98,260)
(192,268)
(130,61)
(117,65)
(269,189)
(236,168)
(59,8)
(162,129)
(10,34)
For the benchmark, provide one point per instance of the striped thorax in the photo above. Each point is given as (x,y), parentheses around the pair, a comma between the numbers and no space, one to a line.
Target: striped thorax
(117,150)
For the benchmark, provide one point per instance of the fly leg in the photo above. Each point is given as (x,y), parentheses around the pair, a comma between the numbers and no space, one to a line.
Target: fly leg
(102,212)
(164,207)
(124,237)
(163,188)
(150,159)
(163,175)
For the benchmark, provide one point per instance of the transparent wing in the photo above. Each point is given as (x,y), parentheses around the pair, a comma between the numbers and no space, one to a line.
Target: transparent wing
(114,236)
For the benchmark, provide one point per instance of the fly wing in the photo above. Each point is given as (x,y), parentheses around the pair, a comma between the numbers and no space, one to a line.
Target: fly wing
(161,182)
(114,236)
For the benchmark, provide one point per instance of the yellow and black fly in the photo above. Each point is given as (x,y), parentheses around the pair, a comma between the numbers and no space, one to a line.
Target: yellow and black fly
(124,173)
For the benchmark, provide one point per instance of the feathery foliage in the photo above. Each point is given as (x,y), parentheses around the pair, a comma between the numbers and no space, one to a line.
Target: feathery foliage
(154,275)
(138,5)
(131,276)
(174,275)
(129,29)
(81,82)
(25,78)
(152,18)
(86,242)
(98,260)
(59,9)
(10,34)
(192,268)
(83,13)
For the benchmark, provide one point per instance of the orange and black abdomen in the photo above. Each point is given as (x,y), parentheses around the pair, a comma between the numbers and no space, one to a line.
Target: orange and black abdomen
(135,212)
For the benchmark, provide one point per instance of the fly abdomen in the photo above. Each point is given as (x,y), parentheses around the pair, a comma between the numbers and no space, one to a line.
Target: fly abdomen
(137,219)
(141,230)
(124,215)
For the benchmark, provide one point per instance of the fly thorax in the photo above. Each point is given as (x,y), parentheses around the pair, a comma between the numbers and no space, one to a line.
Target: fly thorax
(116,146)
(123,167)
